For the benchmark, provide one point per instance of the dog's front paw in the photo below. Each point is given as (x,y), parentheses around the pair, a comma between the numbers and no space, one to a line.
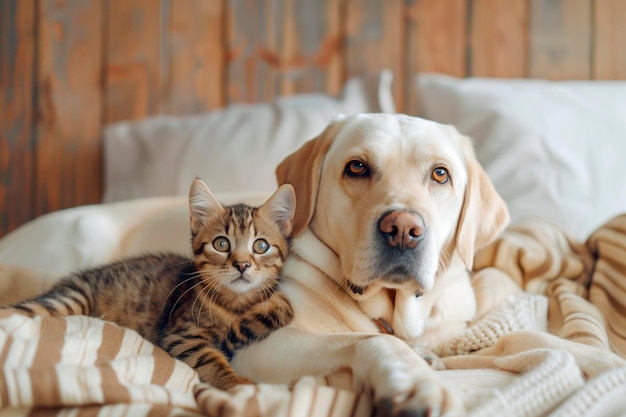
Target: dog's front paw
(430,357)
(425,398)
(404,385)
(402,382)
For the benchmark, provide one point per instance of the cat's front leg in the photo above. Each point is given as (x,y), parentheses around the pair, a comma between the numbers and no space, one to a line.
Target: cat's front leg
(258,322)
(209,362)
(213,368)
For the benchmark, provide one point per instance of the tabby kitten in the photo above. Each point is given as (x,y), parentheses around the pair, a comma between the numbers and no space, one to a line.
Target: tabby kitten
(202,310)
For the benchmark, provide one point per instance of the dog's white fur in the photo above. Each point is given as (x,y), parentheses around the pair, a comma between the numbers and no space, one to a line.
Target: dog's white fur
(337,247)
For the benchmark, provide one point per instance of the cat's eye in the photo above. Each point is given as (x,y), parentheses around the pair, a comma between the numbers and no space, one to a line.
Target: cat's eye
(357,168)
(440,174)
(260,246)
(221,244)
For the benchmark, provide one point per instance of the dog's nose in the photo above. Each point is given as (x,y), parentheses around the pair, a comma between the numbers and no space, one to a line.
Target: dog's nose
(402,229)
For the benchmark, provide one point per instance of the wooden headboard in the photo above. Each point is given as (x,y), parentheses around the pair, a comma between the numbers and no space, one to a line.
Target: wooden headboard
(69,67)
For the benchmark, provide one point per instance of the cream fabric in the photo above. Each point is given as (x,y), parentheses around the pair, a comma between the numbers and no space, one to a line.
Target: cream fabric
(543,345)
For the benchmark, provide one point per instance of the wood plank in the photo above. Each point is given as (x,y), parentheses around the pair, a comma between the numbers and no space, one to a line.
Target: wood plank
(17,60)
(437,41)
(335,69)
(280,50)
(609,58)
(250,78)
(560,42)
(197,55)
(311,46)
(375,40)
(283,47)
(134,69)
(499,38)
(68,161)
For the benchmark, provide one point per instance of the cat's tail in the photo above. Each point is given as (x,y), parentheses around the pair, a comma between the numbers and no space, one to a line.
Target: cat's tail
(60,301)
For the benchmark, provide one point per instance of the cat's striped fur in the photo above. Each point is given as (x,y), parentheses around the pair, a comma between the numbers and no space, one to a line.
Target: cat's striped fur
(199,310)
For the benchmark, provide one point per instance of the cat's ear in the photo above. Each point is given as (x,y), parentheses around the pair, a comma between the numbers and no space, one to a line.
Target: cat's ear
(202,203)
(281,207)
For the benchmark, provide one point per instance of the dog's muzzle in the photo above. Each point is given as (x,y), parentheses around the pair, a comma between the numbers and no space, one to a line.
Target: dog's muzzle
(402,229)
(402,249)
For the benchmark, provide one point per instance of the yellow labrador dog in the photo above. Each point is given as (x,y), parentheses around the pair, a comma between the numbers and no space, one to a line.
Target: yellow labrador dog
(390,210)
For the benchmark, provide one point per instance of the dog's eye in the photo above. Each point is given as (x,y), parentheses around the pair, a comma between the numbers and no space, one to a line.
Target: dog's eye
(260,246)
(440,174)
(221,244)
(357,168)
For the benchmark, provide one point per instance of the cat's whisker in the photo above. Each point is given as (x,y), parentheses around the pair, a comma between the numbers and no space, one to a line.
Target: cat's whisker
(266,290)
(214,294)
(215,289)
(181,297)
(211,287)
(193,276)
(193,305)
(206,291)
(262,290)
(176,264)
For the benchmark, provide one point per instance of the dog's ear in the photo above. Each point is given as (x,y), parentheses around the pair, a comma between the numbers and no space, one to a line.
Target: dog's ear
(303,169)
(484,214)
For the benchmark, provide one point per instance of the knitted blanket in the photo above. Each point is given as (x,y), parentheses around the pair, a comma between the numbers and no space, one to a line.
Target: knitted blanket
(549,339)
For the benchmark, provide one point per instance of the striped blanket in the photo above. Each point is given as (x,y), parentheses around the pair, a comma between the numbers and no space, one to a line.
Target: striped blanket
(549,339)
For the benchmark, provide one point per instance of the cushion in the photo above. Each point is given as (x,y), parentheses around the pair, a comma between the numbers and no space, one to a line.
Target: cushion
(18,283)
(235,149)
(554,149)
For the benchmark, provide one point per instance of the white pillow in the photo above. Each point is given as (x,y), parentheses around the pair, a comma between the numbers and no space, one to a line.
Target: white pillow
(235,149)
(554,150)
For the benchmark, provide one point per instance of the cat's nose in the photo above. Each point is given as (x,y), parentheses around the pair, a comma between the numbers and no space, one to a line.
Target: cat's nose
(241,266)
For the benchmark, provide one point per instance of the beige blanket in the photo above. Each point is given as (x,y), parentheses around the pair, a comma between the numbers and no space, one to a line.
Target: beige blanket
(532,284)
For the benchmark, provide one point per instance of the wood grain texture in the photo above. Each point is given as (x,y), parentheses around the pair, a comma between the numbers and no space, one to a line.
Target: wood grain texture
(609,50)
(336,62)
(312,47)
(499,38)
(437,41)
(69,66)
(375,40)
(196,53)
(69,73)
(250,78)
(560,42)
(134,68)
(282,47)
(17,59)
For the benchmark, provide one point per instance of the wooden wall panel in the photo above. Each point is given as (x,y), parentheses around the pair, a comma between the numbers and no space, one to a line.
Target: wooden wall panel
(134,67)
(311,53)
(375,40)
(69,67)
(333,56)
(560,42)
(499,33)
(17,59)
(69,74)
(196,53)
(609,44)
(273,52)
(437,41)
(252,60)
